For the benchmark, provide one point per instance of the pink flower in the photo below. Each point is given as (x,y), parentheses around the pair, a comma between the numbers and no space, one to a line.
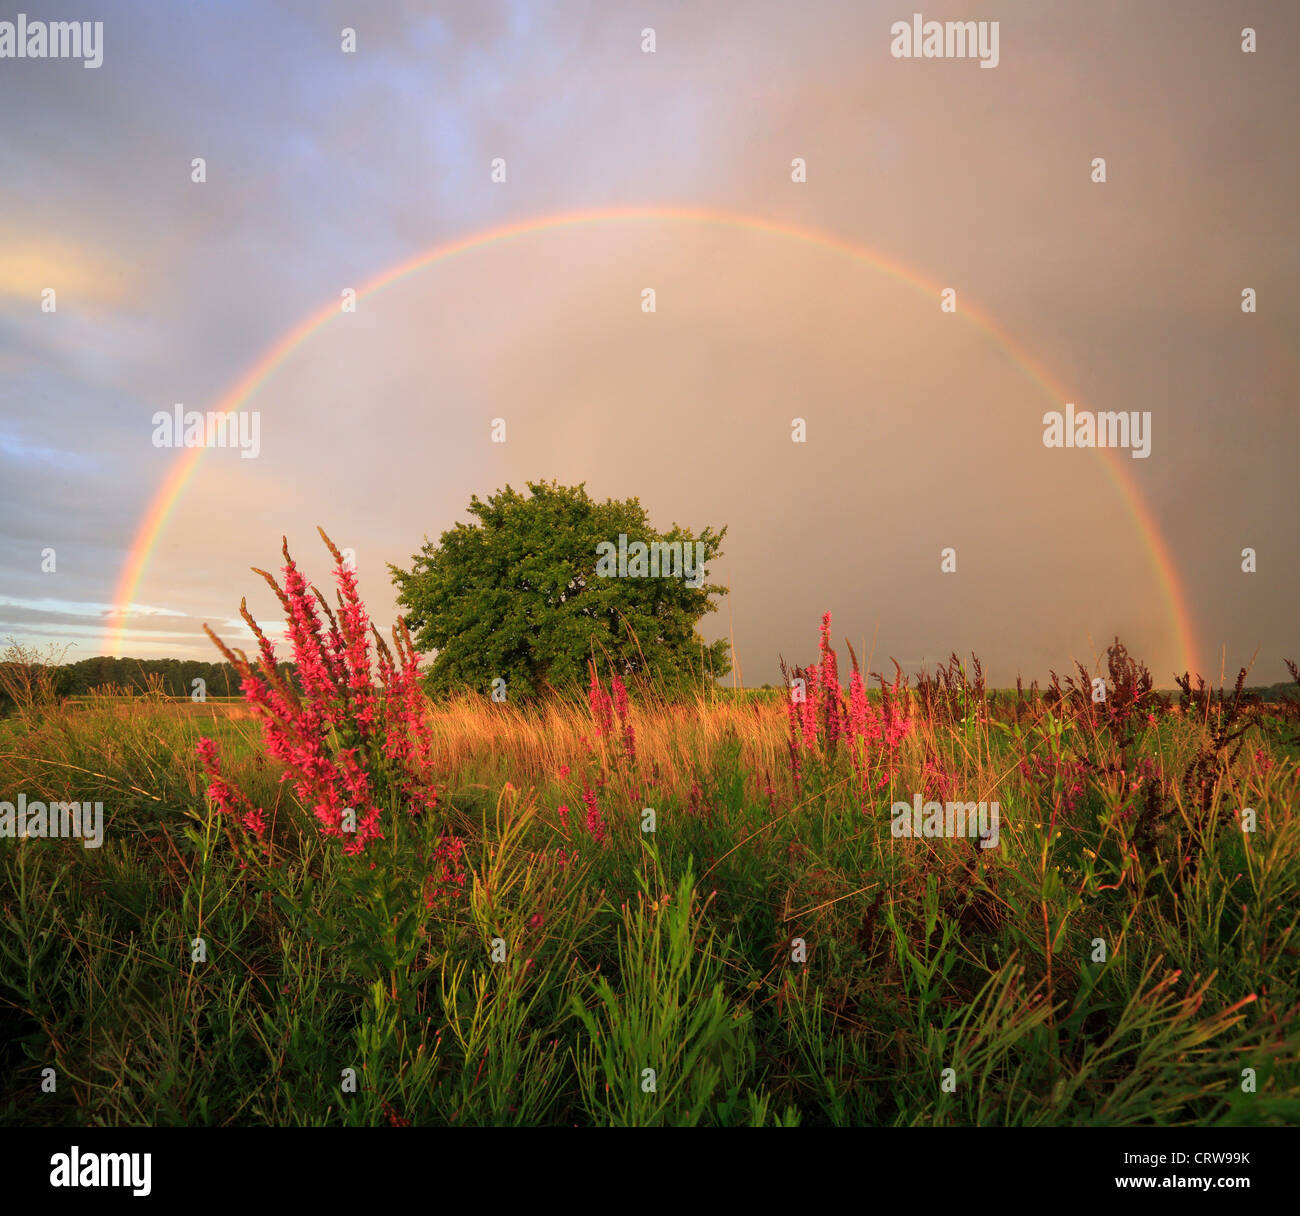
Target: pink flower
(860,716)
(449,880)
(808,710)
(830,683)
(859,723)
(227,800)
(602,709)
(347,743)
(595,824)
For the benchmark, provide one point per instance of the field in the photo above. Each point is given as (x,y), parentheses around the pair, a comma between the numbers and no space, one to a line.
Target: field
(533,948)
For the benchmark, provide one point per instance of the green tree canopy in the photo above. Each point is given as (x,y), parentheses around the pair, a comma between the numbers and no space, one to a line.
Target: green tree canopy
(532,590)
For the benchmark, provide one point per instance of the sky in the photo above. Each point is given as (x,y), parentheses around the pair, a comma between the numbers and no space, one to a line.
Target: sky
(775,299)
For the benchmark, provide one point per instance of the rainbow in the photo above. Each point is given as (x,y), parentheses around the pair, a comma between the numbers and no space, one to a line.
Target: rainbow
(178,477)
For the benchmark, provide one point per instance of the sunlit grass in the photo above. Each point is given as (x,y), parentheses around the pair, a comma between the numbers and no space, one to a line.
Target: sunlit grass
(769,954)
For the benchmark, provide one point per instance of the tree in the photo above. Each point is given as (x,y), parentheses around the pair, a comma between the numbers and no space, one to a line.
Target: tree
(533,590)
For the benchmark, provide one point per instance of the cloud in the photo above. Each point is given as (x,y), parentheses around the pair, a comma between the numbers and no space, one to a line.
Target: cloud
(324,169)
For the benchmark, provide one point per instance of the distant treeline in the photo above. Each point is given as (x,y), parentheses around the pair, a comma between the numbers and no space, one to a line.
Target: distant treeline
(1277,692)
(177,676)
(173,677)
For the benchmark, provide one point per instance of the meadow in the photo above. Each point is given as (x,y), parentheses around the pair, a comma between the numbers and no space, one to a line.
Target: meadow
(626,908)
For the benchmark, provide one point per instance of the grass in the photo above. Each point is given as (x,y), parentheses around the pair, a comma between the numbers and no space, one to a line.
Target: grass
(769,955)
